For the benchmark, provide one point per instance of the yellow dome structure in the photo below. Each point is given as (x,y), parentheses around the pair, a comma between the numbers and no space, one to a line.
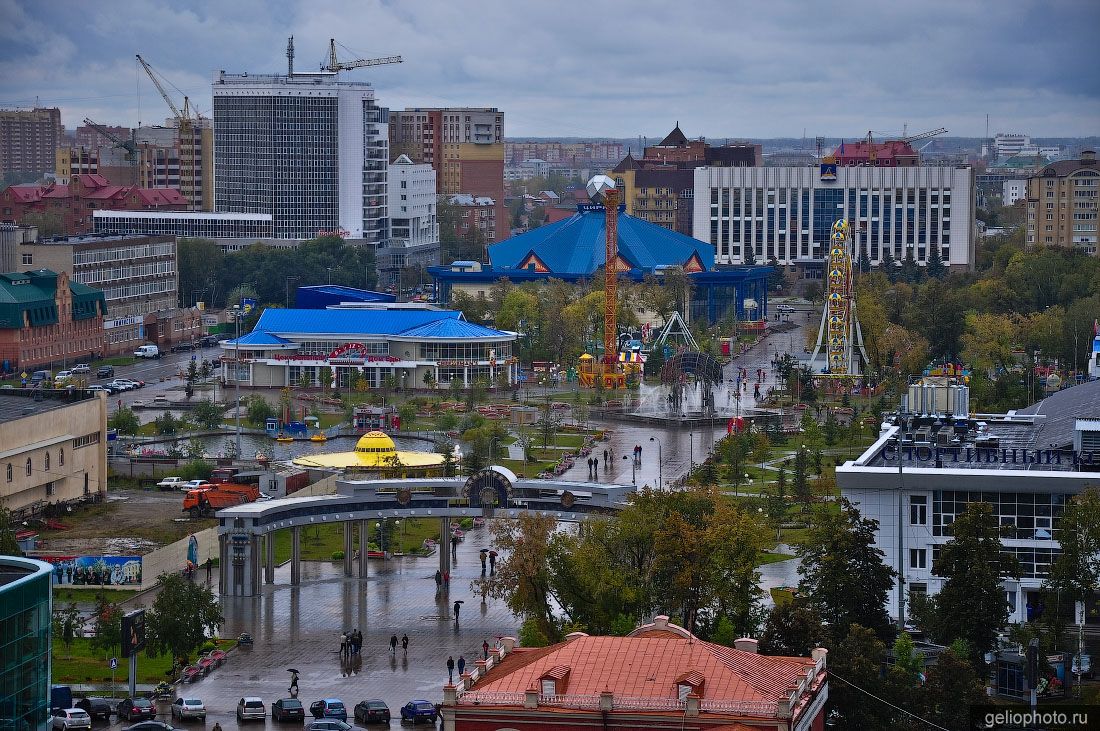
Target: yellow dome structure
(375,450)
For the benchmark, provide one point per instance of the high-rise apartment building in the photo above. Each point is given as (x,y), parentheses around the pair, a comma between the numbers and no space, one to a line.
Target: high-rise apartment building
(28,138)
(787,213)
(169,161)
(465,145)
(306,148)
(1062,204)
(414,228)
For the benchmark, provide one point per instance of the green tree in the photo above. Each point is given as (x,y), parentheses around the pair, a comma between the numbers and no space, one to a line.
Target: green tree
(66,624)
(793,629)
(258,410)
(207,415)
(971,602)
(166,424)
(801,478)
(855,663)
(886,264)
(198,262)
(184,614)
(106,627)
(907,659)
(1076,571)
(843,573)
(951,690)
(8,544)
(125,421)
(447,449)
(324,375)
(522,578)
(934,267)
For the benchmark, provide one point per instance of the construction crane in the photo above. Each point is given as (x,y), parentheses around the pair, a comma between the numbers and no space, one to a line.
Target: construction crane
(924,135)
(335,64)
(188,157)
(130,146)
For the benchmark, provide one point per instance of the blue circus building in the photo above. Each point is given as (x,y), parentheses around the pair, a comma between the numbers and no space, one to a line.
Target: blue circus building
(416,347)
(574,249)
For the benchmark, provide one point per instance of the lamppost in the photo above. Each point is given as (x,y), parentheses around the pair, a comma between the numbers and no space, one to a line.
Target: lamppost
(633,471)
(294,277)
(660,462)
(398,527)
(901,534)
(237,371)
(381,544)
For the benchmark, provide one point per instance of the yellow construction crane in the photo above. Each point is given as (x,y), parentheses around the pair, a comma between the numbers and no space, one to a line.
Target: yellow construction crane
(188,157)
(335,64)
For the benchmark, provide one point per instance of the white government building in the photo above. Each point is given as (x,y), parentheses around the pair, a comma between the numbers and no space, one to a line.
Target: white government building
(1027,464)
(787,213)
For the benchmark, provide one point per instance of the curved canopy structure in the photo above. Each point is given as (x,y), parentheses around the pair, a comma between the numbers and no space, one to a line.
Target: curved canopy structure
(704,367)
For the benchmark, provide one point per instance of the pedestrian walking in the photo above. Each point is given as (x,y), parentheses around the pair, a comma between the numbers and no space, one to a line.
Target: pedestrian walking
(485,649)
(357,643)
(344,643)
(446,578)
(405,644)
(461,665)
(438,579)
(450,669)
(457,607)
(217,726)
(484,557)
(492,562)
(393,645)
(209,563)
(454,546)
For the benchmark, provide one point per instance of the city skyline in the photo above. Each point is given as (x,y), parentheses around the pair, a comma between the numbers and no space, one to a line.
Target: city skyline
(720,70)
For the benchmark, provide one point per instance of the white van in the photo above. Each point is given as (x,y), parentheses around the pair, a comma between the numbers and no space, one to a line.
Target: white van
(147,351)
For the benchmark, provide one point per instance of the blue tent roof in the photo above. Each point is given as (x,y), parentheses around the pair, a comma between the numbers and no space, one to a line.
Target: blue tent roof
(344,322)
(452,329)
(576,245)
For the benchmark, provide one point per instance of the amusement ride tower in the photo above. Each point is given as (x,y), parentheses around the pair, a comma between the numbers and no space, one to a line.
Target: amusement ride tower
(839,337)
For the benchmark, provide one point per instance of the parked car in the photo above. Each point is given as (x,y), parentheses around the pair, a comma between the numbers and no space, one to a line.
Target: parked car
(784,308)
(63,376)
(372,710)
(185,708)
(147,351)
(171,483)
(105,371)
(193,484)
(329,708)
(81,368)
(417,711)
(121,385)
(330,724)
(137,709)
(244,640)
(97,708)
(150,726)
(288,709)
(251,708)
(98,388)
(69,718)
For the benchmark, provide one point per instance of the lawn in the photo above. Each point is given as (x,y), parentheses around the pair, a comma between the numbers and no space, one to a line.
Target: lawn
(766,558)
(118,360)
(321,541)
(532,467)
(64,596)
(81,664)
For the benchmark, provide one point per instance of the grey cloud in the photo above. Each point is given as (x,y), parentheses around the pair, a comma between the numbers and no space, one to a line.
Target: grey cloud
(723,68)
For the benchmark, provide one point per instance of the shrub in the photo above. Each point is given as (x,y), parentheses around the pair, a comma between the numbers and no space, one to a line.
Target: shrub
(337,555)
(531,636)
(207,647)
(466,523)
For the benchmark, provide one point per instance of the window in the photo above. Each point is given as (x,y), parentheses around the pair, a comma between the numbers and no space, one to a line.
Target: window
(28,466)
(918,558)
(683,690)
(9,472)
(918,510)
(61,457)
(28,259)
(46,462)
(549,686)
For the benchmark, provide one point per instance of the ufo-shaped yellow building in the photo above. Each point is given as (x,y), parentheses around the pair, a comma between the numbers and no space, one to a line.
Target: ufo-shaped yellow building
(375,451)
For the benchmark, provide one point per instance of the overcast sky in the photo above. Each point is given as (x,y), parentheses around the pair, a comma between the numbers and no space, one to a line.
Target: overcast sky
(722,68)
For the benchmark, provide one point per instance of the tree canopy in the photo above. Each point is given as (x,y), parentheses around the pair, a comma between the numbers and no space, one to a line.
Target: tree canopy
(184,614)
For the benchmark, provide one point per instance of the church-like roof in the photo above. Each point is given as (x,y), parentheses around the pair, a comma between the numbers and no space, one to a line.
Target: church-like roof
(576,246)
(675,138)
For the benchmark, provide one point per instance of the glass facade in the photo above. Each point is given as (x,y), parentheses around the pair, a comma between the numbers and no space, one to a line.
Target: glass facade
(1022,515)
(25,613)
(180,223)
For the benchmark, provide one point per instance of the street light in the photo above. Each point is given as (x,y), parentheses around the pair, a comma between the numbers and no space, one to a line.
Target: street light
(660,462)
(633,471)
(381,545)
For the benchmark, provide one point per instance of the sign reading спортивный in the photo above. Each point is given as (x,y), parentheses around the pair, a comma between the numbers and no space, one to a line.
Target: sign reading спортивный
(945,456)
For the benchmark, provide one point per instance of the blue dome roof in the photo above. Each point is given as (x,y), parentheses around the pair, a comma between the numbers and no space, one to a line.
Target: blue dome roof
(577,246)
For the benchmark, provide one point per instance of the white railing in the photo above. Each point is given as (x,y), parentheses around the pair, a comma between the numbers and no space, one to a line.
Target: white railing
(765,709)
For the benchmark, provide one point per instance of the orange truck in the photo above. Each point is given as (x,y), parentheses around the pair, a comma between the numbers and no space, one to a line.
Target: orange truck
(205,501)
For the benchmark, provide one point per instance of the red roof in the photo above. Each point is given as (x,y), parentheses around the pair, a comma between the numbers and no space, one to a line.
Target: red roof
(160,196)
(25,193)
(92,180)
(860,150)
(649,667)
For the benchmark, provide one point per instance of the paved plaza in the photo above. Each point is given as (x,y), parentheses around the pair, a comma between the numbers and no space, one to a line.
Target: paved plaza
(300,627)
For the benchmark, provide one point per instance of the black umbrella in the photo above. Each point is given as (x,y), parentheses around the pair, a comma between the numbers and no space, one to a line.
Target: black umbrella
(484,550)
(459,601)
(292,670)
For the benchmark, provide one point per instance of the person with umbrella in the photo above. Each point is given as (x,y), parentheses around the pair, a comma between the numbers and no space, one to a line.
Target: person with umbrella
(457,606)
(293,689)
(492,562)
(484,556)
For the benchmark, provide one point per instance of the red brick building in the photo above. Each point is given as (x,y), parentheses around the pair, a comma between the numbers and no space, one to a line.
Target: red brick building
(657,677)
(72,205)
(890,154)
(46,319)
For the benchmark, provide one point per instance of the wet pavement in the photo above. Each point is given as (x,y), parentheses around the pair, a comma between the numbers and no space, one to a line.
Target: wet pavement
(300,627)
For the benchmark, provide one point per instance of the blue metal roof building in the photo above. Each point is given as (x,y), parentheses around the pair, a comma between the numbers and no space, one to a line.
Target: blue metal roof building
(574,249)
(318,297)
(416,347)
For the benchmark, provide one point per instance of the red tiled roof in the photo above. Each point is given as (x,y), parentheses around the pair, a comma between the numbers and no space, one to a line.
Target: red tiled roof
(92,180)
(649,667)
(106,192)
(25,193)
(160,196)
